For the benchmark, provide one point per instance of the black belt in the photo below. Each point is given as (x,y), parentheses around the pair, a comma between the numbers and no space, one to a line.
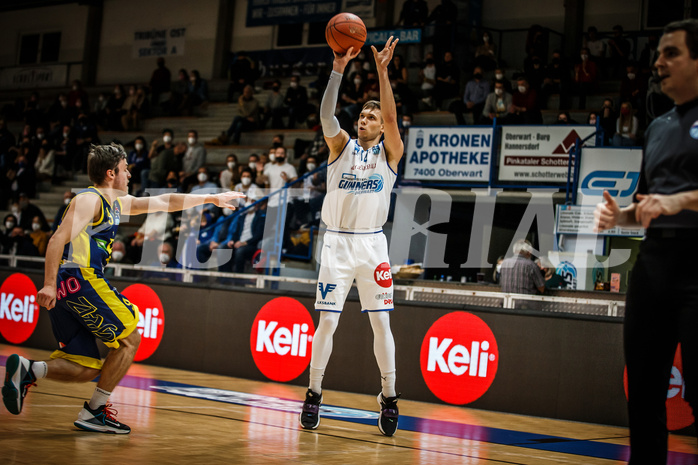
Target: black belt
(672,233)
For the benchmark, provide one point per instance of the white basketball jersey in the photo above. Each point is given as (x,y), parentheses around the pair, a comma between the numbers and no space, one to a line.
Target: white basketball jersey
(359,183)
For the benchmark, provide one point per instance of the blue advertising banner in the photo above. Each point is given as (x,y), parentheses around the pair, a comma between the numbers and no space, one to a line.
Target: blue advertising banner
(271,12)
(406,36)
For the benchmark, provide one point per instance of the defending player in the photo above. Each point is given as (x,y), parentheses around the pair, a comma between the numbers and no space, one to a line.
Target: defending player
(360,176)
(82,303)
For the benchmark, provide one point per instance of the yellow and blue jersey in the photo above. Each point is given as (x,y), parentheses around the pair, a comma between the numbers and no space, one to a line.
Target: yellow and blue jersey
(92,247)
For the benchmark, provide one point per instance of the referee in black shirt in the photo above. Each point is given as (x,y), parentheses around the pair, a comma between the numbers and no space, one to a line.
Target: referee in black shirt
(662,298)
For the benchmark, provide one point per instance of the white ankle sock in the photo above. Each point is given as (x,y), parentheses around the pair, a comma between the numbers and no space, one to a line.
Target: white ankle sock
(99,398)
(388,384)
(40,369)
(316,375)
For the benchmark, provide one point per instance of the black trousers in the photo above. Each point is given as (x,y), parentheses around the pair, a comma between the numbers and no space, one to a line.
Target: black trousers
(661,311)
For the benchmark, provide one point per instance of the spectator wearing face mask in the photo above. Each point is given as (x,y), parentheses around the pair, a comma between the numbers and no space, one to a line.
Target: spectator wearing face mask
(252,162)
(165,259)
(296,100)
(230,175)
(67,197)
(427,78)
(45,162)
(633,88)
(193,159)
(274,108)
(497,105)
(486,53)
(114,108)
(21,177)
(77,93)
(353,95)
(61,114)
(524,105)
(27,212)
(156,148)
(626,127)
(167,160)
(586,77)
(203,181)
(21,243)
(247,187)
(476,92)
(137,162)
(133,109)
(40,234)
(309,203)
(8,224)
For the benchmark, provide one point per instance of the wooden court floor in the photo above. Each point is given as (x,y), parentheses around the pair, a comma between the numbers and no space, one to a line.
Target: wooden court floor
(182,417)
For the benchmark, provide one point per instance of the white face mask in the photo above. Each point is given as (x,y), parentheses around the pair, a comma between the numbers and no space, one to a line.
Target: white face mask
(252,165)
(311,166)
(164,258)
(36,226)
(631,76)
(227,211)
(9,225)
(65,135)
(499,91)
(585,57)
(231,165)
(191,140)
(272,157)
(406,124)
(293,84)
(357,82)
(167,139)
(15,210)
(40,136)
(202,177)
(367,66)
(66,201)
(246,181)
(139,147)
(117,255)
(499,267)
(592,121)
(499,76)
(522,89)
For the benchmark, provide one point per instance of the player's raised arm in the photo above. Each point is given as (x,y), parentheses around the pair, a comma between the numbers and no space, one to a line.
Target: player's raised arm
(393,143)
(176,202)
(335,136)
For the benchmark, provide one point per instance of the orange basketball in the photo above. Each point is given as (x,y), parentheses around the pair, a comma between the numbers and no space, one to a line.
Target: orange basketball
(345,30)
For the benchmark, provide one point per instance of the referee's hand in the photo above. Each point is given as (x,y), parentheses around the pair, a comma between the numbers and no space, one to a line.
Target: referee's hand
(606,214)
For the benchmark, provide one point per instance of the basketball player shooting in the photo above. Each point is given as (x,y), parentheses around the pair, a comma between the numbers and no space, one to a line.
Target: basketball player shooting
(360,176)
(83,305)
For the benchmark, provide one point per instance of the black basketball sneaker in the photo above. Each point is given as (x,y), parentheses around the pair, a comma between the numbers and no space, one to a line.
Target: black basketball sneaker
(387,419)
(310,415)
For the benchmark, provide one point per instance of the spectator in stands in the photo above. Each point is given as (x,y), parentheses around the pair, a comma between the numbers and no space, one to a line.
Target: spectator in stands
(99,111)
(194,158)
(22,177)
(308,205)
(397,70)
(278,174)
(476,92)
(649,55)
(115,108)
(405,100)
(552,279)
(180,89)
(627,126)
(172,182)
(619,49)
(536,75)
(45,162)
(247,119)
(608,118)
(524,107)
(27,212)
(77,93)
(633,88)
(21,243)
(155,150)
(165,259)
(274,108)
(497,105)
(353,95)
(447,75)
(519,275)
(8,224)
(414,13)
(156,229)
(32,113)
(211,235)
(500,75)
(160,82)
(60,114)
(243,73)
(196,96)
(67,197)
(137,162)
(585,77)
(247,187)
(245,238)
(118,255)
(37,140)
(204,183)
(537,41)
(164,162)
(597,48)
(557,80)
(133,109)
(85,135)
(7,140)
(564,118)
(252,162)
(230,175)
(296,100)
(486,53)
(427,77)
(40,234)
(496,273)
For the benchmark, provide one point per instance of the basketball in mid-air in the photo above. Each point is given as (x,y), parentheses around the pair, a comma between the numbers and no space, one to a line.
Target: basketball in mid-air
(345,30)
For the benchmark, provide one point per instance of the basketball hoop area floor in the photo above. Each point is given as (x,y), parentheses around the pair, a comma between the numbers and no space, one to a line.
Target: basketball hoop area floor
(180,417)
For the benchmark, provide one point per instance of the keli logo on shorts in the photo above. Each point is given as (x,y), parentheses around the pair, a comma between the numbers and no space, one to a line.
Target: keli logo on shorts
(281,339)
(151,318)
(459,358)
(19,312)
(382,275)
(678,412)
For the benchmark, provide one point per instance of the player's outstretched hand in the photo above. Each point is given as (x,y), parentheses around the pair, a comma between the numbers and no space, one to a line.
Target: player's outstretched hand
(653,205)
(384,56)
(606,214)
(342,59)
(46,297)
(224,199)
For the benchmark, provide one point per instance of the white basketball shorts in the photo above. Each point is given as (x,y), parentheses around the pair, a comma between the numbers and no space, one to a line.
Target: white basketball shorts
(346,257)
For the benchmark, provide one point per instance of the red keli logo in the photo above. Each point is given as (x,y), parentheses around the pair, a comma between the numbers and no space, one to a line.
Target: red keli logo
(151,318)
(281,339)
(383,276)
(19,312)
(459,358)
(678,412)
